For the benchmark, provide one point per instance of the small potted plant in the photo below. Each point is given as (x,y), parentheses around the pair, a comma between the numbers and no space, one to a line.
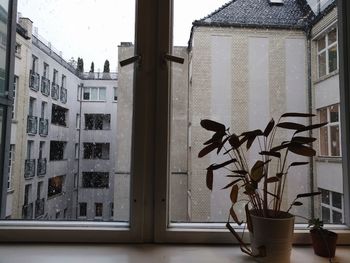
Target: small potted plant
(323,241)
(261,184)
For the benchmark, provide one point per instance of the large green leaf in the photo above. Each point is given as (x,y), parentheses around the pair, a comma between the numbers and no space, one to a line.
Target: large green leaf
(212,125)
(308,194)
(291,125)
(217,137)
(257,171)
(234,194)
(302,150)
(234,141)
(232,183)
(273,179)
(298,163)
(218,166)
(303,140)
(269,128)
(312,127)
(274,154)
(297,114)
(210,176)
(234,216)
(280,147)
(209,148)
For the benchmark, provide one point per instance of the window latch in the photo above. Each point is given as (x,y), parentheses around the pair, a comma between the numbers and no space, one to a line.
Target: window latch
(171,58)
(131,60)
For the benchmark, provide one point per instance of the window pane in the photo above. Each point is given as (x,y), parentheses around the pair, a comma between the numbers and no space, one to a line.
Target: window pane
(322,64)
(337,218)
(321,43)
(73,145)
(335,147)
(325,197)
(333,59)
(334,114)
(326,215)
(337,200)
(332,36)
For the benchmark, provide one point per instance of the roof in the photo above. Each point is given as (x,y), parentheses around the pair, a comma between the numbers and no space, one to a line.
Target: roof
(292,14)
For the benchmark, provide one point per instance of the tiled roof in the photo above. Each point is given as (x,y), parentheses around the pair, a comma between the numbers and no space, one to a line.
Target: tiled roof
(292,14)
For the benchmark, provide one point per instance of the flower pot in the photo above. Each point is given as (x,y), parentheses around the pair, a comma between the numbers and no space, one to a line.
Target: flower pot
(324,242)
(271,238)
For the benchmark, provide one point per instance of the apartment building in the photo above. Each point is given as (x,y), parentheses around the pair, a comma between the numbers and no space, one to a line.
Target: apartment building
(62,157)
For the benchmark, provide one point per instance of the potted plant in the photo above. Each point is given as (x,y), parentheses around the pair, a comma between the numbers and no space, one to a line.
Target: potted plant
(263,182)
(323,241)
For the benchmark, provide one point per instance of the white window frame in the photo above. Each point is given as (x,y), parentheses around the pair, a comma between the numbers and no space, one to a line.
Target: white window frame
(98,93)
(326,51)
(328,127)
(332,208)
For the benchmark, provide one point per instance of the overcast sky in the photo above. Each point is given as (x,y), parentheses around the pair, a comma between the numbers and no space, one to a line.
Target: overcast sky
(93,29)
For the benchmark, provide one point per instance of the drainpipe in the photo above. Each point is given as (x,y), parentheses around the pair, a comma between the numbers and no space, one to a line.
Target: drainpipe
(81,86)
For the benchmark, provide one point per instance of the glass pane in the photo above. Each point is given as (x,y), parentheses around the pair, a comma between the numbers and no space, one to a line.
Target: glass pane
(332,37)
(240,77)
(337,200)
(3,49)
(335,146)
(334,113)
(322,64)
(333,59)
(337,217)
(325,197)
(72,157)
(326,215)
(321,43)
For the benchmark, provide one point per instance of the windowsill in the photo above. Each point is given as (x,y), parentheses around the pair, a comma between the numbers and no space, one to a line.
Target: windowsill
(323,78)
(148,253)
(328,159)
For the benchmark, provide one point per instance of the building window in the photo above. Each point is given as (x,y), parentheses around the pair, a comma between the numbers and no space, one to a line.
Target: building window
(76,151)
(59,115)
(94,93)
(96,151)
(32,106)
(327,53)
(10,167)
(77,121)
(46,71)
(55,186)
(34,64)
(115,93)
(57,150)
(63,84)
(97,121)
(98,209)
(55,76)
(329,142)
(18,48)
(82,209)
(27,194)
(39,190)
(14,107)
(95,180)
(332,207)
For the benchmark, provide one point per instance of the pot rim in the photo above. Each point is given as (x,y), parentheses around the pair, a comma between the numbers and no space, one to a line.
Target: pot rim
(284,215)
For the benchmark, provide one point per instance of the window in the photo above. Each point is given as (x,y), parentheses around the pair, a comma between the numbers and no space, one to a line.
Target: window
(95,180)
(97,121)
(27,194)
(332,207)
(82,209)
(57,150)
(43,109)
(63,82)
(10,166)
(98,209)
(76,151)
(32,106)
(41,149)
(330,134)
(59,115)
(55,77)
(115,89)
(46,71)
(15,87)
(77,121)
(327,53)
(18,48)
(94,93)
(39,190)
(34,64)
(55,186)
(96,151)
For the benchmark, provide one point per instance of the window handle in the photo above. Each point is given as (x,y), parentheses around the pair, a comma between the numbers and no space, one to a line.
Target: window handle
(131,60)
(171,58)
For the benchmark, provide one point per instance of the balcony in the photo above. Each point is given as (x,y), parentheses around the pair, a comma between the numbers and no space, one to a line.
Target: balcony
(32,125)
(45,86)
(41,167)
(39,207)
(55,91)
(34,81)
(63,95)
(27,211)
(43,127)
(29,168)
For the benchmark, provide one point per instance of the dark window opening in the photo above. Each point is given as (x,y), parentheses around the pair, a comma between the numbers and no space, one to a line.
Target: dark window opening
(57,150)
(95,180)
(96,151)
(55,186)
(97,121)
(59,115)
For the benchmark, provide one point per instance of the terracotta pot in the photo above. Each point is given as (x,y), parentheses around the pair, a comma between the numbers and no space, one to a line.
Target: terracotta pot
(324,242)
(272,237)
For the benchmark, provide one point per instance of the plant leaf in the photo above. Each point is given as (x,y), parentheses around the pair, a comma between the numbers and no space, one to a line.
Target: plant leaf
(212,125)
(235,176)
(210,175)
(312,127)
(302,150)
(274,154)
(207,149)
(303,140)
(234,216)
(291,126)
(297,114)
(280,147)
(308,194)
(298,163)
(218,166)
(221,145)
(234,141)
(279,175)
(241,172)
(249,189)
(274,179)
(217,137)
(232,183)
(269,128)
(257,171)
(234,194)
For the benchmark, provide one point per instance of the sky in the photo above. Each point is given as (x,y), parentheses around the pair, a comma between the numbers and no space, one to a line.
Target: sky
(93,29)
